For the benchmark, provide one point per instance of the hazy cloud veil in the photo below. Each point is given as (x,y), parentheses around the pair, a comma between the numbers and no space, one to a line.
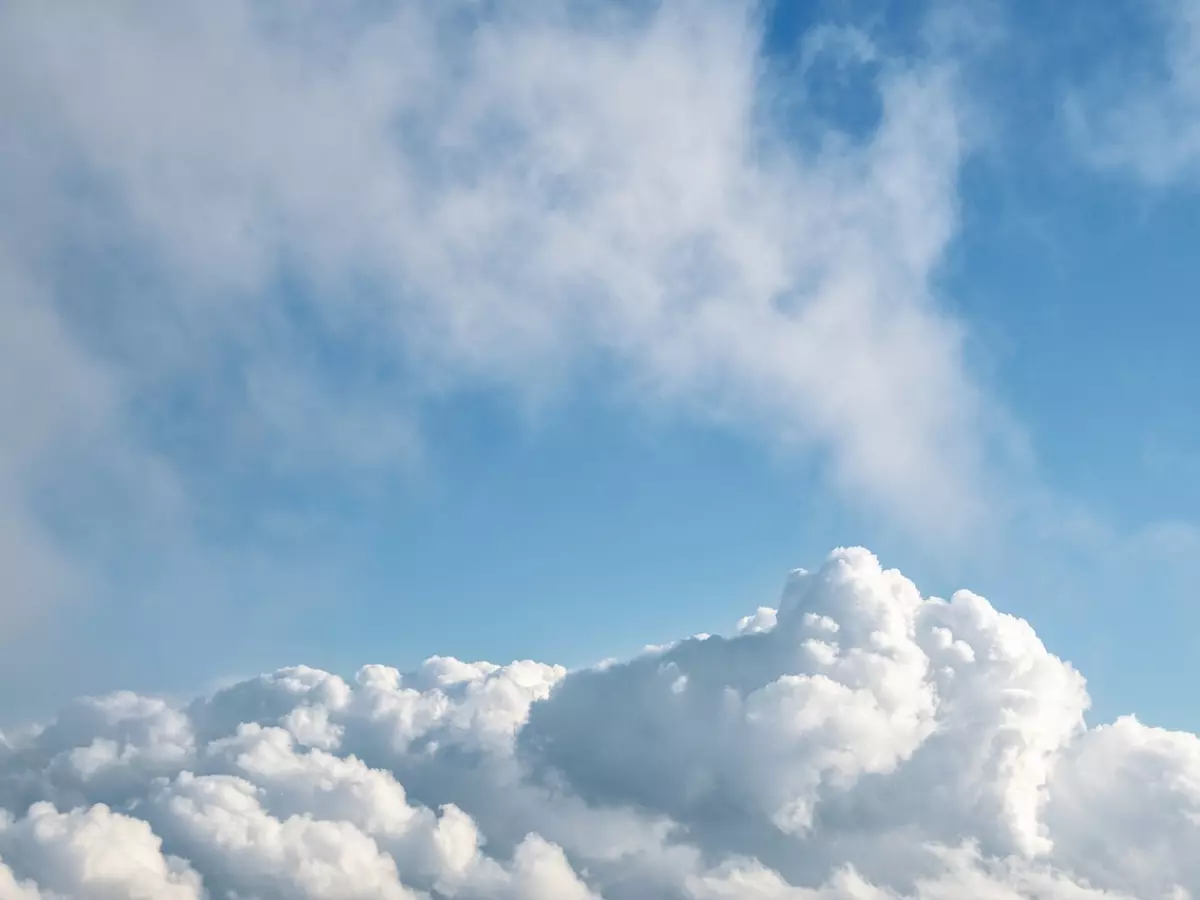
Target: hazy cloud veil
(325,215)
(260,233)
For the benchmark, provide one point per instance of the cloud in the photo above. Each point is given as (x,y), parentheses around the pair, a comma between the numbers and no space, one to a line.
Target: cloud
(91,853)
(864,742)
(277,230)
(1148,123)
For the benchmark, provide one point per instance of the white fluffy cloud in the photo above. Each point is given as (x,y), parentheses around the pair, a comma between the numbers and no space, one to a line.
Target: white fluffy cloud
(862,742)
(263,232)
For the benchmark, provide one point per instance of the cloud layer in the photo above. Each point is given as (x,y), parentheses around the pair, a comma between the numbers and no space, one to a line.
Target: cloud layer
(861,742)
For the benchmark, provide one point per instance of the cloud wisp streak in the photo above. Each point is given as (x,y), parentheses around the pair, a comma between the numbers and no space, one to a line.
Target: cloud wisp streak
(1148,124)
(272,231)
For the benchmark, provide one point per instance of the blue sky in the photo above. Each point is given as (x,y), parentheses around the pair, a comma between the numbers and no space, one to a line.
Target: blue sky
(420,335)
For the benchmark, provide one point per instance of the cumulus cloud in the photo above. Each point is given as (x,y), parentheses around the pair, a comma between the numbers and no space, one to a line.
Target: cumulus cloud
(268,231)
(861,742)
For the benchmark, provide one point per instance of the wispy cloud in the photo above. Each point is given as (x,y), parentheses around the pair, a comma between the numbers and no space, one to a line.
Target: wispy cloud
(863,742)
(1147,122)
(277,229)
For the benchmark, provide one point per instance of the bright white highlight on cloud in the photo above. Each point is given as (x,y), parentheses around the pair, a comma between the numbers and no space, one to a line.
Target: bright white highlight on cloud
(866,743)
(264,233)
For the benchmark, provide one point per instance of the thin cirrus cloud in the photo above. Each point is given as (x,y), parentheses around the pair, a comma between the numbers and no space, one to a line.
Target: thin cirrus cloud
(1148,125)
(273,230)
(861,742)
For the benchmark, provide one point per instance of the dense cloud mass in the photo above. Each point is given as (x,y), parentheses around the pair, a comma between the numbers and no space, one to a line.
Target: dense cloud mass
(862,742)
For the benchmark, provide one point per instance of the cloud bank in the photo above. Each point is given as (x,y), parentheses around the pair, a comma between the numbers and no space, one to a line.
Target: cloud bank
(861,742)
(249,238)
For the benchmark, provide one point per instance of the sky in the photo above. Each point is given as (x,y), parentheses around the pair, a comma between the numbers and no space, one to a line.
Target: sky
(394,333)
(587,325)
